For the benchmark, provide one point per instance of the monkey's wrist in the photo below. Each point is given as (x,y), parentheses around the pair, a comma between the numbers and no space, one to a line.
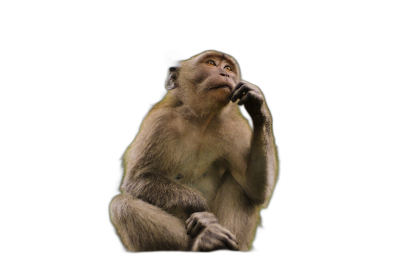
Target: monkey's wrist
(259,119)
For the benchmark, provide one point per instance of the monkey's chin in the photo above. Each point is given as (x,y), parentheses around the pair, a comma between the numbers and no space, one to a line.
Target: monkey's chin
(220,95)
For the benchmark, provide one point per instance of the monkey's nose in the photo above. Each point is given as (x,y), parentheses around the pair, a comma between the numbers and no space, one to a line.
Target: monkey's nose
(224,74)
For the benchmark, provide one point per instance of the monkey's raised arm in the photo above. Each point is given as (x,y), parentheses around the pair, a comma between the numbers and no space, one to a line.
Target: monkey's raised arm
(261,171)
(261,168)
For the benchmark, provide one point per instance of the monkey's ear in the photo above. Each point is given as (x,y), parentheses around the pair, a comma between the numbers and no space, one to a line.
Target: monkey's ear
(172,81)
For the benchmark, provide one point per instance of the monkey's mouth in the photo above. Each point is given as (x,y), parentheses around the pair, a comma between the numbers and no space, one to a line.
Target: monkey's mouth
(220,87)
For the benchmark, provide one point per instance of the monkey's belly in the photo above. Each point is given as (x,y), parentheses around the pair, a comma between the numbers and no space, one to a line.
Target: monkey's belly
(206,181)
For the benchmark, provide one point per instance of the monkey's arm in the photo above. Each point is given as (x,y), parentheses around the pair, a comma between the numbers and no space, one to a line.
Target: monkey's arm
(262,162)
(261,171)
(174,198)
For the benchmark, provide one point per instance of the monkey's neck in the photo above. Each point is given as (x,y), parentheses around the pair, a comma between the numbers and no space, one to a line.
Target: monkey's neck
(196,109)
(200,117)
(205,111)
(206,121)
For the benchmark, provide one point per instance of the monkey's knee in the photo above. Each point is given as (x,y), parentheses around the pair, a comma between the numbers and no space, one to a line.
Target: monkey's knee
(122,212)
(144,227)
(120,206)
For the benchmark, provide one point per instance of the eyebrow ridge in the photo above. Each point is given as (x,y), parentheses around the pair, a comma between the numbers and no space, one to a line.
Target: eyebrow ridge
(222,56)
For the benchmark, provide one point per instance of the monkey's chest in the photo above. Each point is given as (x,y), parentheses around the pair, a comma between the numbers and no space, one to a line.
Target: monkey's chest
(194,162)
(197,166)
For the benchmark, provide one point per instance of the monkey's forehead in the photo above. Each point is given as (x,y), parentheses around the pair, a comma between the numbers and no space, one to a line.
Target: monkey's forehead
(211,53)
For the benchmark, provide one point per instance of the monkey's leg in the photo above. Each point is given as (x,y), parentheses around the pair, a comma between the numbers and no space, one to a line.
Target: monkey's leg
(144,227)
(236,213)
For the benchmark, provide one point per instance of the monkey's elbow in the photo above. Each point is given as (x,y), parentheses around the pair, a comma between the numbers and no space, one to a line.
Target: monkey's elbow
(261,195)
(257,200)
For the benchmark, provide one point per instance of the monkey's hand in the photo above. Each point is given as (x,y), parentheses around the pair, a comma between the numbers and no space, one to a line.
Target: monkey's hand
(215,237)
(198,221)
(208,234)
(253,100)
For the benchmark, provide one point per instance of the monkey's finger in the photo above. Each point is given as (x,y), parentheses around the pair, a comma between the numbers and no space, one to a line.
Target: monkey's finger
(238,93)
(211,246)
(236,88)
(228,242)
(232,245)
(195,228)
(192,218)
(188,222)
(230,235)
(195,231)
(244,99)
(253,97)
(190,226)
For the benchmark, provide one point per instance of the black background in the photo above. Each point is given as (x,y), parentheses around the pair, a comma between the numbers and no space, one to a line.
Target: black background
(106,75)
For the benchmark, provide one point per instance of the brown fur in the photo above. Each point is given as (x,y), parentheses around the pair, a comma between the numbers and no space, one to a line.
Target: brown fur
(196,175)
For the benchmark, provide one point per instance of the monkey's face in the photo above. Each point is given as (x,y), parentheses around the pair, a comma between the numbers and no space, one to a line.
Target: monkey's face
(211,75)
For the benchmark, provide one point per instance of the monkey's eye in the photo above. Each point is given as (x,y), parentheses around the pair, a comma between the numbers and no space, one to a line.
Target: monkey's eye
(228,68)
(210,62)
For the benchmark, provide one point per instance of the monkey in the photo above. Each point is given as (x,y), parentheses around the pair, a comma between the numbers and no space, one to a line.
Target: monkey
(197,174)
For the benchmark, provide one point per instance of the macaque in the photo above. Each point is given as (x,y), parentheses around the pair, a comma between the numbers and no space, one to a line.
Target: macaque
(197,175)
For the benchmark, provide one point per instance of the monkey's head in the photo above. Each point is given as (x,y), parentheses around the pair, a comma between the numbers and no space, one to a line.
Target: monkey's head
(205,81)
